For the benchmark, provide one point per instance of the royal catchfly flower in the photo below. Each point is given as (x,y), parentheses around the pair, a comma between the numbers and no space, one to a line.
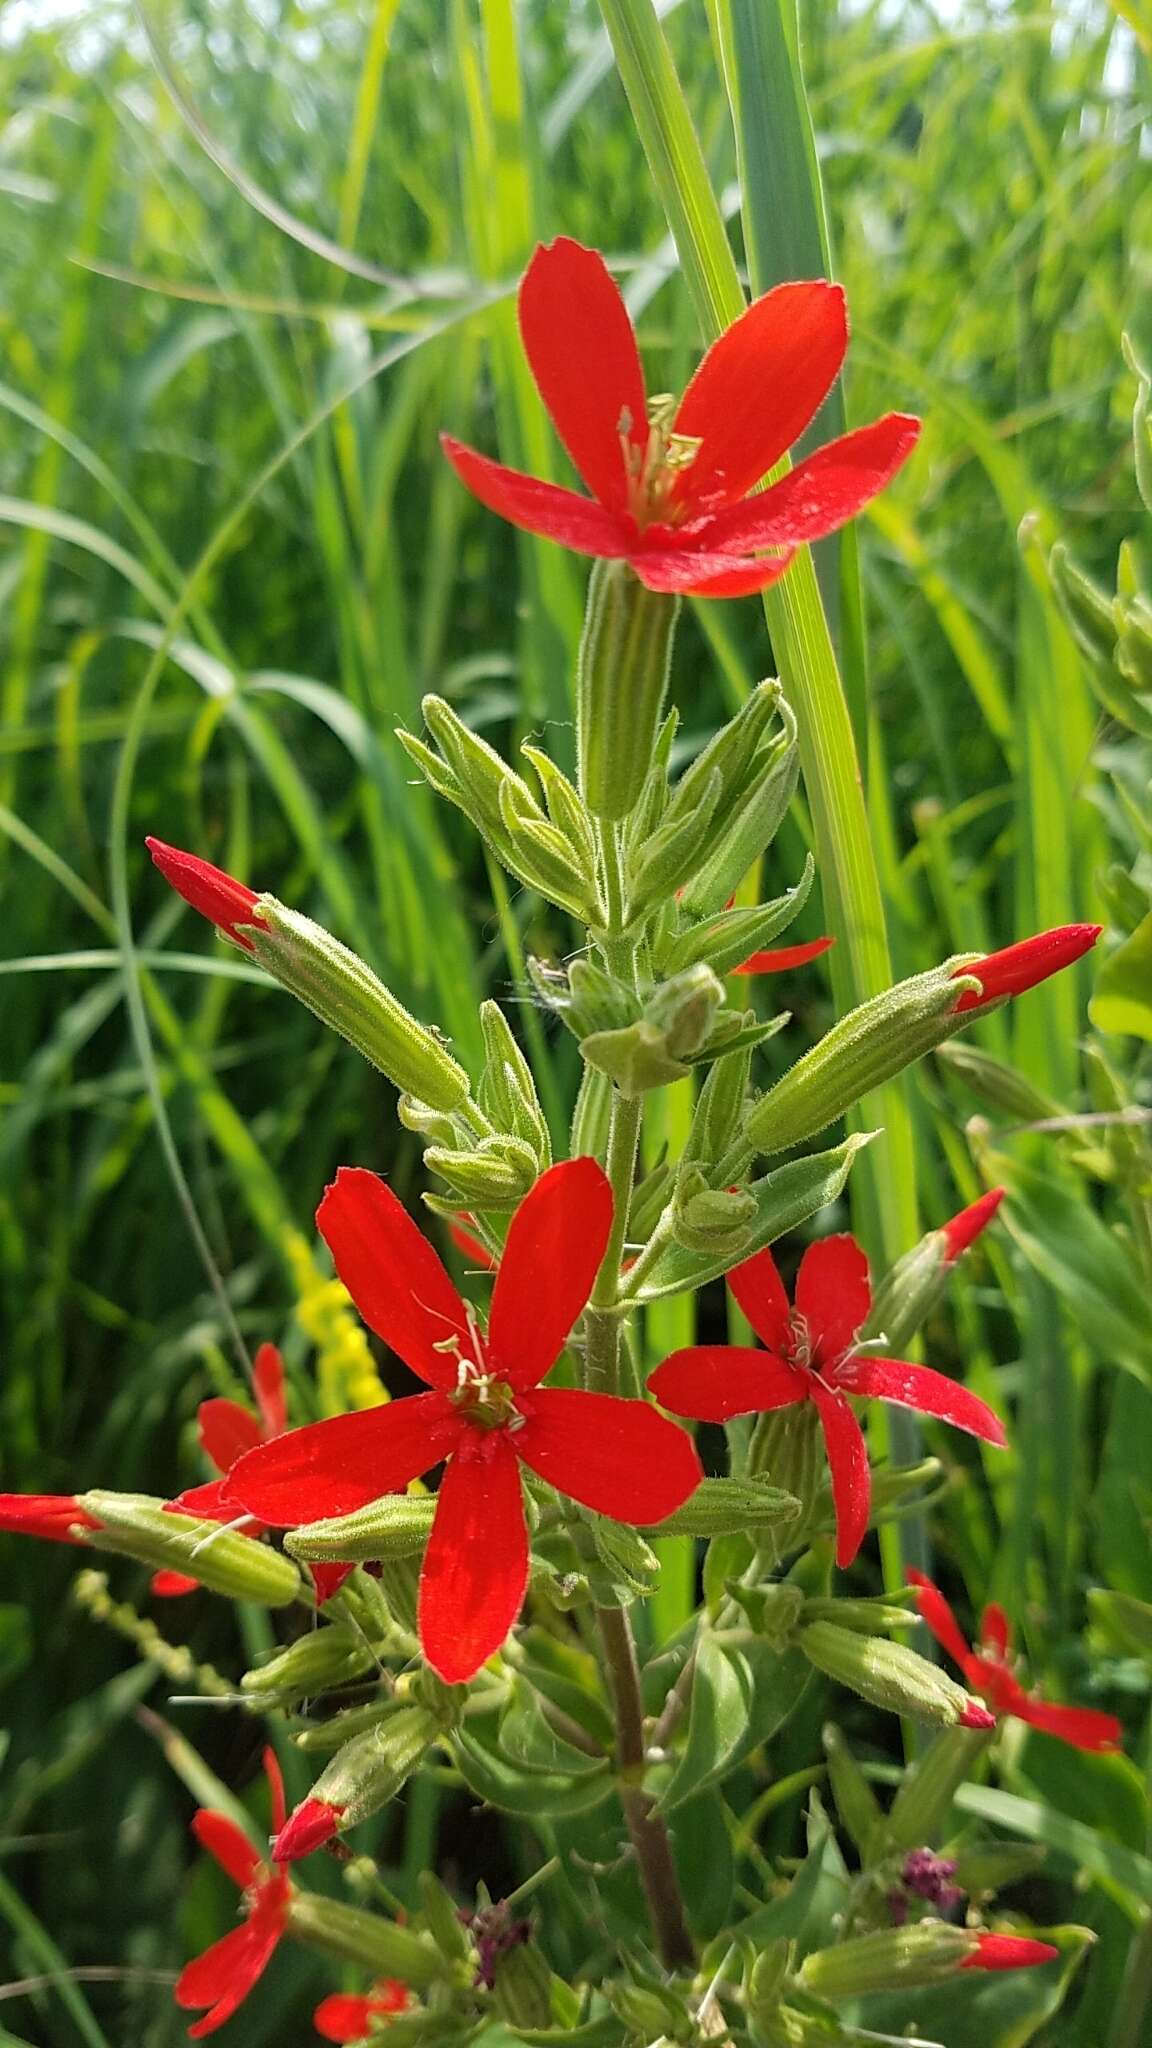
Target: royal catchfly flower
(209,890)
(670,482)
(345,2017)
(810,1357)
(224,1975)
(988,1671)
(1018,968)
(486,1413)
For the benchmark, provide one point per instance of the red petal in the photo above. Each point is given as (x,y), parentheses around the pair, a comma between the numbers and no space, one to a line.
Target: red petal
(224,1975)
(756,574)
(313,1823)
(822,492)
(228,1844)
(209,890)
(937,1616)
(328,1579)
(707,572)
(581,347)
(848,1466)
(226,1431)
(546,509)
(928,1392)
(1083,1727)
(995,1631)
(1022,966)
(476,1564)
(268,1382)
(51,1516)
(758,387)
(275,1777)
(833,1295)
(331,1468)
(779,959)
(618,1457)
(554,1249)
(344,2017)
(761,1295)
(393,1274)
(211,1502)
(962,1230)
(172,1585)
(714,1382)
(476,1253)
(1008,1952)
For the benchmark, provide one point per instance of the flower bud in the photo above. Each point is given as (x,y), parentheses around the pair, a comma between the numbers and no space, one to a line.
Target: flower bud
(660,863)
(315,1663)
(891,1676)
(621,678)
(361,1778)
(626,1556)
(649,1198)
(861,1052)
(366,1938)
(723,1507)
(396,1525)
(856,1803)
(635,1058)
(766,1982)
(895,1959)
(725,941)
(912,1287)
(497,1175)
(229,903)
(342,990)
(651,2012)
(682,1009)
(428,1123)
(753,803)
(720,1108)
(522,1987)
(442,1919)
(1015,969)
(137,1525)
(706,1219)
(1087,608)
(507,1090)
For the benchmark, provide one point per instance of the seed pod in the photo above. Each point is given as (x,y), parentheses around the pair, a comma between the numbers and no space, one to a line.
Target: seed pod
(396,1525)
(360,1779)
(621,678)
(314,1663)
(365,1938)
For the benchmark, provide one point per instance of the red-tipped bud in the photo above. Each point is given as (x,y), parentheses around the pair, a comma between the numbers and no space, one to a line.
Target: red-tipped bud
(308,1828)
(976,1716)
(52,1516)
(965,1228)
(1008,1952)
(345,2017)
(778,959)
(1023,965)
(209,890)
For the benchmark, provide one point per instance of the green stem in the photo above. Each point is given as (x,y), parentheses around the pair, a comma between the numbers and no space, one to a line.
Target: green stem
(646,1829)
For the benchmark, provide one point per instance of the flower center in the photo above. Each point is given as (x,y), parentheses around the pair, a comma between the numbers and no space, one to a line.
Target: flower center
(654,470)
(486,1399)
(798,1351)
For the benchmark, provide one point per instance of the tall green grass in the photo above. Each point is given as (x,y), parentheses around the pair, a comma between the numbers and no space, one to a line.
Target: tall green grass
(253,261)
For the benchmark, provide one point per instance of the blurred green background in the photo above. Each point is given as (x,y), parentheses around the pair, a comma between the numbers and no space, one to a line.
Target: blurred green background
(254,257)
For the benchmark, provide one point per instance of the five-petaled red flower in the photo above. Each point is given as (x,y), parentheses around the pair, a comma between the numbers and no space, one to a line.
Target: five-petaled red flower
(810,1357)
(988,1671)
(226,1431)
(345,2017)
(224,1975)
(487,1412)
(671,483)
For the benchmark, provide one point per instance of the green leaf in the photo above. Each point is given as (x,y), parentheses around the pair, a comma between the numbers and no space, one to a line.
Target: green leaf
(718,1718)
(1127,1874)
(1123,998)
(534,1793)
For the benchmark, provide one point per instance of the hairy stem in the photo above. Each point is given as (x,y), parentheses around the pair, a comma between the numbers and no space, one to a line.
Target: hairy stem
(646,1829)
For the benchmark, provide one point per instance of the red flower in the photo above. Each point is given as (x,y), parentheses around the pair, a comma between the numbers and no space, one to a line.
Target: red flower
(810,1358)
(224,1975)
(1029,961)
(52,1516)
(670,484)
(313,1823)
(1008,1952)
(778,959)
(344,2018)
(226,1431)
(487,1412)
(209,890)
(988,1671)
(963,1230)
(477,1254)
